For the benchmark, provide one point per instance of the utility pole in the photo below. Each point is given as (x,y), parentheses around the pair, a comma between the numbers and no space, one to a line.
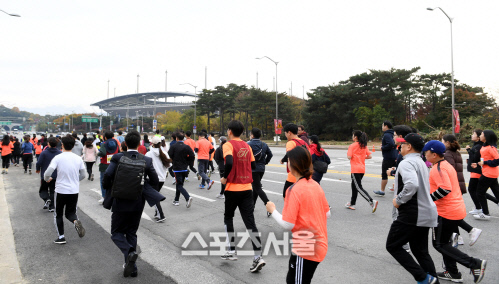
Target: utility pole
(108,88)
(166,80)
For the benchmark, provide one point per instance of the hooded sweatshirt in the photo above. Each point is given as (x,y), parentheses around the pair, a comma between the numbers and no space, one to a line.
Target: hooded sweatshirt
(262,154)
(304,137)
(78,148)
(388,147)
(161,170)
(318,155)
(109,147)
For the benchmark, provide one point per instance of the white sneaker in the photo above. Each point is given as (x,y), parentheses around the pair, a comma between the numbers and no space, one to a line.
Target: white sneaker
(101,200)
(189,202)
(454,240)
(221,196)
(460,240)
(474,234)
(482,217)
(476,211)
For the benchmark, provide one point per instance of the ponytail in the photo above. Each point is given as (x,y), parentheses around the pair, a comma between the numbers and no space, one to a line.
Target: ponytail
(361,138)
(164,160)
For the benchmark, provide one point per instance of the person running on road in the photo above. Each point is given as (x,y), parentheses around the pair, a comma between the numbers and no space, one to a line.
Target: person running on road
(204,149)
(70,171)
(263,155)
(302,134)
(182,156)
(78,148)
(90,157)
(414,212)
(191,143)
(219,159)
(291,133)
(446,193)
(357,154)
(490,172)
(389,151)
(305,212)
(6,149)
(318,154)
(47,189)
(211,138)
(16,152)
(161,162)
(239,161)
(108,148)
(27,149)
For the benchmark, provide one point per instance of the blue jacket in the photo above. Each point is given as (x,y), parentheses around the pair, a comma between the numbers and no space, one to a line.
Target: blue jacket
(262,154)
(388,147)
(27,148)
(44,160)
(149,192)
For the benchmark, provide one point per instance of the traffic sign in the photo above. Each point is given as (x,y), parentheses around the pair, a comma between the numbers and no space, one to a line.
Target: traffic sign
(155,122)
(194,127)
(89,119)
(5,122)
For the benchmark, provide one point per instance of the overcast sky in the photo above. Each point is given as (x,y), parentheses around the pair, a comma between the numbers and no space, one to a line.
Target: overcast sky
(59,55)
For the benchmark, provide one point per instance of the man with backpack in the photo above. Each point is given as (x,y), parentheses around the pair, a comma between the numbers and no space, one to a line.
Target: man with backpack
(107,149)
(291,133)
(263,155)
(130,179)
(47,189)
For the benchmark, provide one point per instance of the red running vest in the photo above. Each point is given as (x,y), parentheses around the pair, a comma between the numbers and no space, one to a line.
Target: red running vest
(241,166)
(106,160)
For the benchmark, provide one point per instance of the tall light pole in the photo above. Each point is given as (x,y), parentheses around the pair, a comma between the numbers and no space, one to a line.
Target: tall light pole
(452,66)
(166,80)
(195,106)
(108,88)
(276,102)
(13,15)
(138,83)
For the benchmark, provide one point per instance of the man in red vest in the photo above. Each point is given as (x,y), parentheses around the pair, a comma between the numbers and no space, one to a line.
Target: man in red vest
(239,161)
(107,149)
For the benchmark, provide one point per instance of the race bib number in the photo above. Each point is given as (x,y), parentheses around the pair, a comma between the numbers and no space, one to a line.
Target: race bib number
(109,158)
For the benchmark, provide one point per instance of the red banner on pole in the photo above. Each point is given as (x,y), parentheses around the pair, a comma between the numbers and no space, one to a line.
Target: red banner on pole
(278,126)
(458,122)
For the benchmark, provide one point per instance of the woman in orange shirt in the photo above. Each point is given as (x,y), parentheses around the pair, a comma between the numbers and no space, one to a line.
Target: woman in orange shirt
(357,154)
(490,172)
(6,149)
(305,213)
(38,149)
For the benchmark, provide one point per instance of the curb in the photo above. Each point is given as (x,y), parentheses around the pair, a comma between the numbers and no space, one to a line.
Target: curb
(9,264)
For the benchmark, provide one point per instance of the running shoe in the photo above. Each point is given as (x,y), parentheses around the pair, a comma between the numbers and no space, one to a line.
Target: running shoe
(3,172)
(257,265)
(176,203)
(209,174)
(199,177)
(161,220)
(429,280)
(454,240)
(210,184)
(476,211)
(454,277)
(407,248)
(60,241)
(25,172)
(482,217)
(92,177)
(186,179)
(374,205)
(51,208)
(379,193)
(460,240)
(174,181)
(30,171)
(101,200)
(201,186)
(189,202)
(79,228)
(479,271)
(47,204)
(474,234)
(269,214)
(130,263)
(221,196)
(350,206)
(229,256)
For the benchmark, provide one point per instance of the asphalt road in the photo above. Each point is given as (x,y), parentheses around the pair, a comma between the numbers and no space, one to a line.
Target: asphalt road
(356,239)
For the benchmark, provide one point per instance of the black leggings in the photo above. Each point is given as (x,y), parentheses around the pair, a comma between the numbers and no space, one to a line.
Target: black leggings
(222,191)
(158,205)
(258,188)
(357,188)
(473,190)
(6,161)
(27,160)
(89,168)
(484,184)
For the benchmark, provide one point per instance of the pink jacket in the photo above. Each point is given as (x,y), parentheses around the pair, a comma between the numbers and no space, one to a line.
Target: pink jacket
(90,154)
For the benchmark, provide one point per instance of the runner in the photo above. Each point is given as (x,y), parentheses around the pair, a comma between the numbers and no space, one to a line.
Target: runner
(319,159)
(191,143)
(211,138)
(357,154)
(145,142)
(27,152)
(204,150)
(182,156)
(70,171)
(78,148)
(47,189)
(90,157)
(219,158)
(161,162)
(16,153)
(414,212)
(239,161)
(490,172)
(446,193)
(305,213)
(302,134)
(291,133)
(38,149)
(399,131)
(263,155)
(107,149)
(389,151)
(6,149)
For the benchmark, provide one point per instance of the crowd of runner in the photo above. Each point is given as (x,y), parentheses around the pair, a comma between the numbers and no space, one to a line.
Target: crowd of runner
(428,188)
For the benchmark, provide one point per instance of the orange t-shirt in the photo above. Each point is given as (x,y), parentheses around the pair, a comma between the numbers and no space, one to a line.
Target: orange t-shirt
(7,149)
(306,207)
(290,145)
(229,151)
(204,146)
(191,143)
(489,153)
(443,175)
(38,149)
(358,160)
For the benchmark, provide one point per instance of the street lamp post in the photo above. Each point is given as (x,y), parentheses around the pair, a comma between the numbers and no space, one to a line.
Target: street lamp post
(276,103)
(195,106)
(13,15)
(452,66)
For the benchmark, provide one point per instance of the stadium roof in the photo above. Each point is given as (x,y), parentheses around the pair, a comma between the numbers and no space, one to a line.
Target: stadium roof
(146,104)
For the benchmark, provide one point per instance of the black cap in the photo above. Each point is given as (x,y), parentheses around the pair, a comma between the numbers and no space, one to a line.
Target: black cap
(415,140)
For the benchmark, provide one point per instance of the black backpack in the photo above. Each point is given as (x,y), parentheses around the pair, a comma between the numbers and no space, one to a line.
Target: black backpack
(129,177)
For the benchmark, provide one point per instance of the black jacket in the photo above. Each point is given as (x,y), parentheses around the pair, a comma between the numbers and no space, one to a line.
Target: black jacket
(148,193)
(219,158)
(262,154)
(388,147)
(181,155)
(474,157)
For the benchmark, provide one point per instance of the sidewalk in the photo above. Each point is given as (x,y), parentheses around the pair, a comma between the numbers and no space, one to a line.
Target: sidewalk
(9,265)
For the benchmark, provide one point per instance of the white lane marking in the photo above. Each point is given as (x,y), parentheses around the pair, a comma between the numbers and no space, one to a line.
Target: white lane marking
(144,215)
(328,179)
(193,195)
